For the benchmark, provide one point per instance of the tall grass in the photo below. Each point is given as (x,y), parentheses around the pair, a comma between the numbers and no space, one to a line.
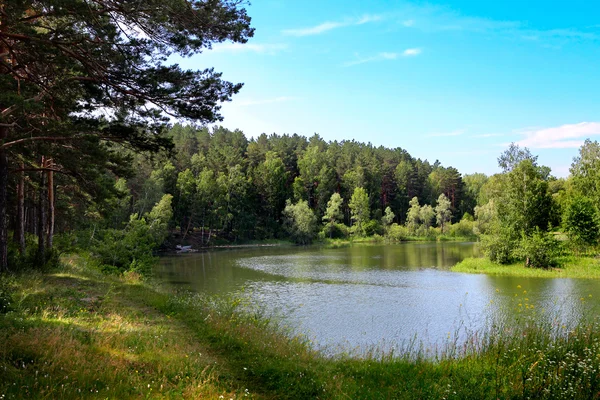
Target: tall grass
(75,333)
(570,267)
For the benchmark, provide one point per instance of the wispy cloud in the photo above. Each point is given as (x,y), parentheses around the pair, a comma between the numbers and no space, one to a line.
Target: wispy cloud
(487,135)
(262,48)
(565,136)
(435,19)
(457,132)
(330,25)
(411,52)
(252,102)
(384,56)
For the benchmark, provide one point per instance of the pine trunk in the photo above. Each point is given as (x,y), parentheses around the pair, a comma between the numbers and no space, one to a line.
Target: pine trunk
(50,237)
(3,204)
(42,199)
(20,223)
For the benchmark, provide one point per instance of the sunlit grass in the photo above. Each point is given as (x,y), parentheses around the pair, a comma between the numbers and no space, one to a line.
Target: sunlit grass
(570,267)
(77,333)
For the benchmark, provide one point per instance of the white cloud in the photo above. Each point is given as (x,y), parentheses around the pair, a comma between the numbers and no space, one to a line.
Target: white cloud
(329,25)
(411,52)
(487,135)
(383,56)
(365,19)
(264,48)
(560,137)
(408,23)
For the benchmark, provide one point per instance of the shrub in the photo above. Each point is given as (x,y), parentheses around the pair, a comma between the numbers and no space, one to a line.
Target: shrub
(373,227)
(462,228)
(581,222)
(499,246)
(538,250)
(300,222)
(397,233)
(133,247)
(334,231)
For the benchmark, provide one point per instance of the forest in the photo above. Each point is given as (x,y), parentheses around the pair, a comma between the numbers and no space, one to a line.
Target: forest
(90,158)
(216,186)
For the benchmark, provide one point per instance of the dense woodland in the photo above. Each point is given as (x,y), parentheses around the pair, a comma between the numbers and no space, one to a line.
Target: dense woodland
(88,152)
(216,186)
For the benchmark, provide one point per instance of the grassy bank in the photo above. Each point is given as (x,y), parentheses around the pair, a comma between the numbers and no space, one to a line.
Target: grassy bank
(338,242)
(570,267)
(76,333)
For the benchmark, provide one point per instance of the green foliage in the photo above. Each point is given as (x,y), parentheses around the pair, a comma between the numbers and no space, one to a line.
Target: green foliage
(335,231)
(133,248)
(300,222)
(524,203)
(585,171)
(333,214)
(372,227)
(360,211)
(388,217)
(539,250)
(7,288)
(426,215)
(413,217)
(485,217)
(580,221)
(499,244)
(397,233)
(464,228)
(443,214)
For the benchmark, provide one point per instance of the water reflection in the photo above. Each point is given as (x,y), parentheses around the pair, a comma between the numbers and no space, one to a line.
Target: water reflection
(379,295)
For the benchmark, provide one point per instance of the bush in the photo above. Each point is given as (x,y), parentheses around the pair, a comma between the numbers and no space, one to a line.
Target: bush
(539,250)
(132,249)
(335,231)
(397,233)
(499,246)
(31,260)
(373,227)
(122,250)
(581,223)
(462,228)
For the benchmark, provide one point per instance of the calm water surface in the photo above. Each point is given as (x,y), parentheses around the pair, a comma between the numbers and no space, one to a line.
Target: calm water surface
(358,298)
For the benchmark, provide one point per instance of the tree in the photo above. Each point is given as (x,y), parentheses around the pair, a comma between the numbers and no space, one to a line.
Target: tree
(300,222)
(581,221)
(413,216)
(388,217)
(270,179)
(359,209)
(333,213)
(585,171)
(426,215)
(512,156)
(60,62)
(443,214)
(524,203)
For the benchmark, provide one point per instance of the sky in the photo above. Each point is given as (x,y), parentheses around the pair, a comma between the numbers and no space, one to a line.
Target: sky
(454,81)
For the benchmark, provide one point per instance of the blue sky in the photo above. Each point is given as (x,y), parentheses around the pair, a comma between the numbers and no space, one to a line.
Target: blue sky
(455,81)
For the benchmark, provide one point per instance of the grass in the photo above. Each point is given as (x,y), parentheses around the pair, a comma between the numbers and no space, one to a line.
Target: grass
(571,267)
(377,239)
(76,333)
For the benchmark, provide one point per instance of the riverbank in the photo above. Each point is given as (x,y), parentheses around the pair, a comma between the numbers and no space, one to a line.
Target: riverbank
(75,333)
(570,267)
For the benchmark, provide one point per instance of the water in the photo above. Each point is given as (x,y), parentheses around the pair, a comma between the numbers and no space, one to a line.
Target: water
(384,297)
